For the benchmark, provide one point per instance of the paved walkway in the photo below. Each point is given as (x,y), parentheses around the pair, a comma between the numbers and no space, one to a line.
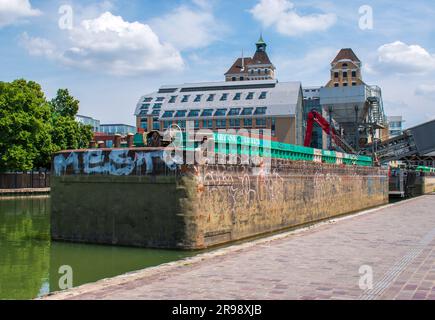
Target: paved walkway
(396,243)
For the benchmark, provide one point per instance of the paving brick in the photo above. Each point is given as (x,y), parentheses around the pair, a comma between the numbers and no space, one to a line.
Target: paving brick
(317,263)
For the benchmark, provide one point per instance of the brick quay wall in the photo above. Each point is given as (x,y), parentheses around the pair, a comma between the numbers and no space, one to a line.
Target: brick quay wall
(131,197)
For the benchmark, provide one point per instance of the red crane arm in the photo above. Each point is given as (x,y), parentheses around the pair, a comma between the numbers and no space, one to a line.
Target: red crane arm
(314,116)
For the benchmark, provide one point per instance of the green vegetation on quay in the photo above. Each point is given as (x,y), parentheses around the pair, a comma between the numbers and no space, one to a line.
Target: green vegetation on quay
(32,128)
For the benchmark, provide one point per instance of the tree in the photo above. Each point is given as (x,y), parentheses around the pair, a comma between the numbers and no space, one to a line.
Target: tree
(32,129)
(25,125)
(64,104)
(67,133)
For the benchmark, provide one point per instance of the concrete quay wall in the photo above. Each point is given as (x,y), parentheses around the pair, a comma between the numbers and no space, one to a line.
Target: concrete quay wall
(133,198)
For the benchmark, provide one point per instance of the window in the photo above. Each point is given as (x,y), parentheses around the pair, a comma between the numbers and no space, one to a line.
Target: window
(147,99)
(196,124)
(353,74)
(336,85)
(181,113)
(144,125)
(242,78)
(224,97)
(250,96)
(194,113)
(261,122)
(234,123)
(145,106)
(247,111)
(198,98)
(167,124)
(345,84)
(173,99)
(237,96)
(247,122)
(168,114)
(221,123)
(335,74)
(233,79)
(207,113)
(220,113)
(344,74)
(155,113)
(156,124)
(157,106)
(260,111)
(273,127)
(234,112)
(160,99)
(181,123)
(207,124)
(143,112)
(353,84)
(345,65)
(211,97)
(185,98)
(263,96)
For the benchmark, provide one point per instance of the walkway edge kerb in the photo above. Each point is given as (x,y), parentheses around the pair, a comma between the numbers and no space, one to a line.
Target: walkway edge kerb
(189,262)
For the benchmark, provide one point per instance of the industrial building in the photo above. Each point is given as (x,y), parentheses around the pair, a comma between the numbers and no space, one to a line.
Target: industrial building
(354,105)
(252,98)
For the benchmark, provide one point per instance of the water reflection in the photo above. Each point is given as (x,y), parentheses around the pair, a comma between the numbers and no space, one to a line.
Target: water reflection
(30,262)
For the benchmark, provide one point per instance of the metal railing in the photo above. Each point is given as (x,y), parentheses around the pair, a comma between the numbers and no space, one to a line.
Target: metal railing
(25,180)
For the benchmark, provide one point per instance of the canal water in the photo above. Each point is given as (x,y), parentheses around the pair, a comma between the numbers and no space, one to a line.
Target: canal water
(30,262)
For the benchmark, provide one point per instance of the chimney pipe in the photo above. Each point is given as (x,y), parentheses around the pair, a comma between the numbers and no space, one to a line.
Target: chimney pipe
(130,140)
(117,141)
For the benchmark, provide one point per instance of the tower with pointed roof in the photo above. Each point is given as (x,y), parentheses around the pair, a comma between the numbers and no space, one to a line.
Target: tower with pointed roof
(345,70)
(259,67)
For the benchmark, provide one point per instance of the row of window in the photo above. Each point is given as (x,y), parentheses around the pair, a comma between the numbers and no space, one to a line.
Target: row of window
(194,113)
(206,124)
(345,74)
(344,84)
(210,97)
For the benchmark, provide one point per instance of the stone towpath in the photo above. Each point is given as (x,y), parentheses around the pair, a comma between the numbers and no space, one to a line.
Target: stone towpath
(385,253)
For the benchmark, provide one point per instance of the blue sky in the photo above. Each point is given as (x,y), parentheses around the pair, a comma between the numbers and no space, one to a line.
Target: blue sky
(112,52)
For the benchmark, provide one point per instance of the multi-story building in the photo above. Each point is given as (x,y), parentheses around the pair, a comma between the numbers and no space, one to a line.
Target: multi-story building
(395,125)
(259,67)
(354,105)
(94,123)
(250,98)
(112,129)
(345,70)
(265,104)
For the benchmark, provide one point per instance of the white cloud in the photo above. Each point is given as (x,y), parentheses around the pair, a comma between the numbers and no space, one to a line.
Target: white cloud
(12,11)
(111,45)
(282,15)
(38,46)
(189,28)
(399,57)
(425,89)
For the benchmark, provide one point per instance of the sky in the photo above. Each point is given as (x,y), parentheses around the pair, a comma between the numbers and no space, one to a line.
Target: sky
(110,53)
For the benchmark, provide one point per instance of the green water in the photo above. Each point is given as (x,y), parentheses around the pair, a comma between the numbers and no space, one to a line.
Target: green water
(30,262)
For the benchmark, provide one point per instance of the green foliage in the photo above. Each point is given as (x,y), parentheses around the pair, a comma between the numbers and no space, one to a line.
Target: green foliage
(25,125)
(31,128)
(64,104)
(68,133)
